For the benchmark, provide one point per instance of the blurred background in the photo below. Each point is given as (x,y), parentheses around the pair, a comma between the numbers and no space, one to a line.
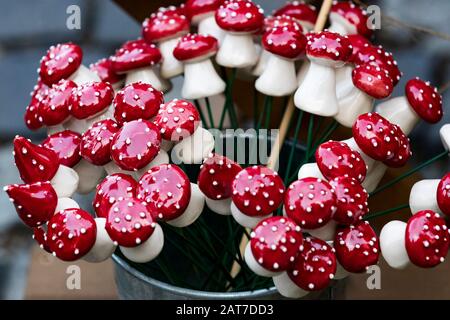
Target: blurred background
(28,28)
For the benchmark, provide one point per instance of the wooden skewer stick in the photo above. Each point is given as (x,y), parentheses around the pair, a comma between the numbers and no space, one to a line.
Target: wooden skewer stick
(275,153)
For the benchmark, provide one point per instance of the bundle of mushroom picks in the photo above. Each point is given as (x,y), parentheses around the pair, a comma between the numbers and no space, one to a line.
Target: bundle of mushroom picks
(110,131)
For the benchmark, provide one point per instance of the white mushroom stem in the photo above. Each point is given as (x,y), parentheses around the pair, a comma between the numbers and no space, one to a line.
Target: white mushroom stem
(66,203)
(104,247)
(208,25)
(170,67)
(65,181)
(287,288)
(55,129)
(146,75)
(344,81)
(245,56)
(245,220)
(262,63)
(341,25)
(193,149)
(255,266)
(148,250)
(76,125)
(444,133)
(107,113)
(392,244)
(302,71)
(278,78)
(201,80)
(397,110)
(221,206)
(193,211)
(355,103)
(325,232)
(310,170)
(423,196)
(161,158)
(374,176)
(90,176)
(84,75)
(317,92)
(111,168)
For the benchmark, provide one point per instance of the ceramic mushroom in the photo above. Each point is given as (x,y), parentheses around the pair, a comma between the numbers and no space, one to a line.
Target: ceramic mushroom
(131,226)
(422,241)
(432,194)
(313,270)
(201,13)
(96,152)
(166,27)
(136,146)
(317,93)
(347,18)
(103,247)
(214,180)
(63,61)
(240,20)
(179,122)
(274,245)
(66,144)
(357,247)
(257,192)
(105,71)
(195,51)
(285,44)
(37,163)
(170,196)
(138,60)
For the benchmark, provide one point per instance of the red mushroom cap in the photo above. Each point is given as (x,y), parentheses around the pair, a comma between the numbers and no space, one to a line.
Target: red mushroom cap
(165,24)
(135,54)
(114,187)
(40,236)
(424,99)
(315,266)
(351,200)
(358,43)
(357,247)
(129,223)
(197,8)
(257,191)
(35,203)
(376,136)
(426,239)
(66,144)
(60,62)
(391,66)
(329,46)
(136,144)
(216,176)
(242,16)
(336,159)
(275,243)
(96,142)
(90,99)
(71,234)
(287,42)
(310,202)
(195,46)
(355,15)
(443,194)
(299,10)
(177,119)
(137,101)
(166,190)
(404,150)
(373,80)
(54,108)
(281,21)
(104,69)
(31,116)
(35,163)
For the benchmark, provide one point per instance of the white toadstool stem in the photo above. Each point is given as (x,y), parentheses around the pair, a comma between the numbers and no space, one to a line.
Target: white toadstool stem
(90,176)
(397,110)
(317,92)
(104,247)
(326,232)
(193,210)
(262,63)
(148,250)
(222,206)
(278,78)
(355,103)
(392,244)
(208,25)
(228,56)
(302,71)
(423,196)
(245,220)
(287,288)
(146,75)
(310,170)
(170,66)
(66,203)
(65,181)
(161,158)
(193,149)
(84,75)
(201,80)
